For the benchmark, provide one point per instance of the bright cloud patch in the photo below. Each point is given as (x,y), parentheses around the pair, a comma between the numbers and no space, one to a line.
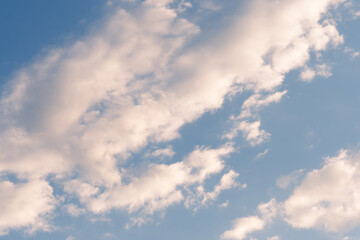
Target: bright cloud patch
(25,205)
(328,198)
(243,226)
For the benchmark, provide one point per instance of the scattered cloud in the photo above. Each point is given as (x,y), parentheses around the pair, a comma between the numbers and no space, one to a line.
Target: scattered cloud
(251,132)
(352,52)
(257,101)
(262,154)
(80,111)
(224,204)
(160,185)
(307,75)
(242,227)
(227,181)
(322,70)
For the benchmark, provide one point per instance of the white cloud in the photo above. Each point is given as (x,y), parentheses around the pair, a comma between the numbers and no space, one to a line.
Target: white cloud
(162,153)
(160,185)
(28,157)
(137,221)
(321,35)
(201,197)
(251,132)
(353,53)
(322,70)
(25,205)
(257,101)
(262,154)
(269,210)
(294,32)
(80,111)
(224,204)
(274,238)
(81,189)
(286,180)
(328,198)
(95,117)
(307,75)
(242,227)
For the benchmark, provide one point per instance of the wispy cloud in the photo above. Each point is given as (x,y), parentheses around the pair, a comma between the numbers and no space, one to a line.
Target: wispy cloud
(242,228)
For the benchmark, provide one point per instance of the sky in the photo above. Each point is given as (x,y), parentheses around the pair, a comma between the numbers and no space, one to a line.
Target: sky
(179,119)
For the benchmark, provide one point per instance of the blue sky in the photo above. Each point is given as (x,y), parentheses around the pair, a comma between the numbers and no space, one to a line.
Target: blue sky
(173,119)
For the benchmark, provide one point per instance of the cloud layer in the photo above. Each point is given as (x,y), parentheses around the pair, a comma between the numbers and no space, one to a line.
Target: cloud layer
(80,111)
